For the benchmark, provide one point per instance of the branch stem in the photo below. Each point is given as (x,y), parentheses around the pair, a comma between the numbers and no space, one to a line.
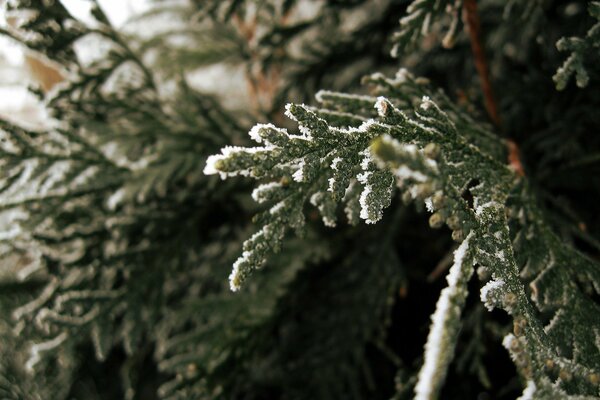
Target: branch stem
(471,18)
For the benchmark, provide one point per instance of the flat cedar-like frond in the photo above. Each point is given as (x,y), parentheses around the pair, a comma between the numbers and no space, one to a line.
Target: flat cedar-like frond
(584,52)
(84,195)
(431,156)
(118,231)
(420,16)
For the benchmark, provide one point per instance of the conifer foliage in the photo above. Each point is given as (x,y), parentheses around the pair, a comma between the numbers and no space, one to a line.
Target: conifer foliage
(123,213)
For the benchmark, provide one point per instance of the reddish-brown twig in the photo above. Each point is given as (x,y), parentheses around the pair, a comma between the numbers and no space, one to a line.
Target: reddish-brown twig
(471,18)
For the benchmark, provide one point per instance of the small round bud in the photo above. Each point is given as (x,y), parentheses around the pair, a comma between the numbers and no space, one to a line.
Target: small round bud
(453,222)
(432,150)
(515,346)
(191,370)
(594,378)
(565,375)
(549,364)
(509,300)
(436,220)
(219,165)
(483,273)
(519,325)
(406,197)
(437,200)
(458,235)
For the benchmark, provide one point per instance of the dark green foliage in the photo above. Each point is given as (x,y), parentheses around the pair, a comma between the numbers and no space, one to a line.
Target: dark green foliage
(115,246)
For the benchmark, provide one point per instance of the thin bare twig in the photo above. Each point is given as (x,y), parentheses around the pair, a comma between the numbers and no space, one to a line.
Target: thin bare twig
(471,18)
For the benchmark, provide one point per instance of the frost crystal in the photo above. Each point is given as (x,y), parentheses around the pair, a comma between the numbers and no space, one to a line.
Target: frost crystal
(445,325)
(491,293)
(529,392)
(298,176)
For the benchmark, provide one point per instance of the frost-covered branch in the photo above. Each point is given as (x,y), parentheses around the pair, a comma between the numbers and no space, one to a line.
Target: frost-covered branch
(583,51)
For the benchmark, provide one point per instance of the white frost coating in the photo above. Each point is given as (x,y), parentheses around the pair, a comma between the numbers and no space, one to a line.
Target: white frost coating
(403,173)
(459,255)
(364,179)
(500,255)
(426,103)
(13,232)
(364,164)
(364,207)
(409,148)
(55,174)
(254,133)
(315,198)
(431,164)
(227,151)
(288,113)
(331,181)
(335,162)
(85,176)
(258,194)
(298,176)
(529,391)
(488,290)
(381,106)
(429,204)
(402,75)
(426,23)
(434,366)
(275,209)
(234,276)
(480,209)
(210,169)
(115,199)
(321,93)
(36,349)
(328,222)
(303,129)
(508,340)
